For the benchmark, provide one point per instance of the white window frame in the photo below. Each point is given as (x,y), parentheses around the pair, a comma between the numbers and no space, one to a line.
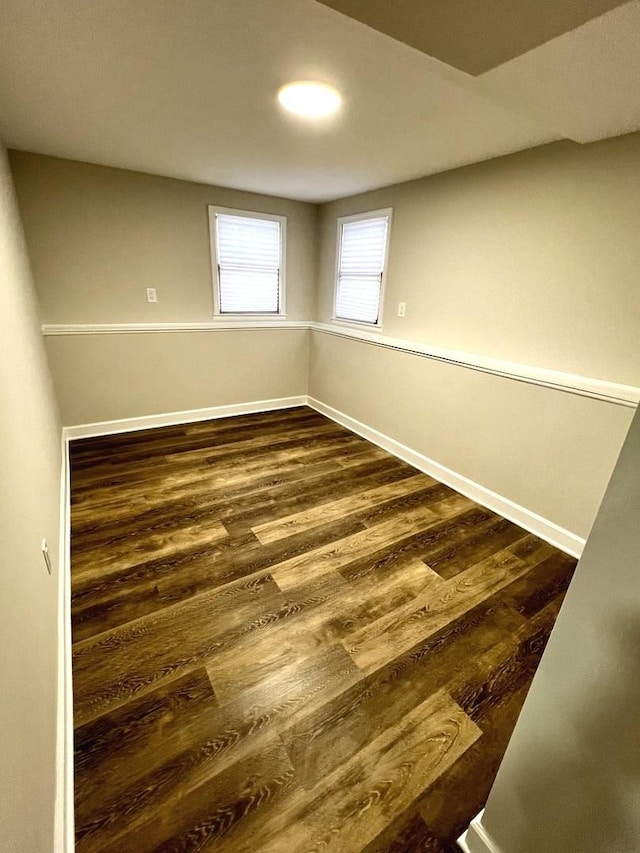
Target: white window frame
(213,244)
(369,214)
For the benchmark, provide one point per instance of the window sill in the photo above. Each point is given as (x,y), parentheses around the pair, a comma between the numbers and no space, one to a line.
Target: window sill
(238,322)
(250,318)
(355,324)
(250,321)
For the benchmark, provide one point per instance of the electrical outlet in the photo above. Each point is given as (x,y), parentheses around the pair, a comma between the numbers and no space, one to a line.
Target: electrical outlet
(152,294)
(46,555)
(402,309)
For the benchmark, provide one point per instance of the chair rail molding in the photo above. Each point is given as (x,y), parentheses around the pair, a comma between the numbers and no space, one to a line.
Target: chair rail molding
(597,389)
(66,329)
(616,393)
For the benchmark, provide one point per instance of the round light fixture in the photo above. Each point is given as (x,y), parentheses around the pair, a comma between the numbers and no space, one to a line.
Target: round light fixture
(309,99)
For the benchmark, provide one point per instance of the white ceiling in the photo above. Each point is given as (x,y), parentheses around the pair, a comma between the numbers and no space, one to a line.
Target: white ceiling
(187,89)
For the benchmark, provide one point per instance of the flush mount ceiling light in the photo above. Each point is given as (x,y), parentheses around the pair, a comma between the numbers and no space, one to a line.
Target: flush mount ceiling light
(309,99)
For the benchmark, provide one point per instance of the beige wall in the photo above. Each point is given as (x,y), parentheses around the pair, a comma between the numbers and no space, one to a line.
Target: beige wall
(29,510)
(570,779)
(532,258)
(98,237)
(107,377)
(547,451)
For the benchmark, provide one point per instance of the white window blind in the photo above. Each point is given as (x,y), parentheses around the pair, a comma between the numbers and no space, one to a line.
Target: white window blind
(363,247)
(249,264)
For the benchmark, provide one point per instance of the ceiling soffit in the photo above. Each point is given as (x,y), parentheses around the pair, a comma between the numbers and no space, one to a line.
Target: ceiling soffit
(470,35)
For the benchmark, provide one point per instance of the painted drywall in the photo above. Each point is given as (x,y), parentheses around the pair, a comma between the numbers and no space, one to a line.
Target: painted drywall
(532,258)
(570,779)
(30,459)
(108,377)
(98,237)
(508,436)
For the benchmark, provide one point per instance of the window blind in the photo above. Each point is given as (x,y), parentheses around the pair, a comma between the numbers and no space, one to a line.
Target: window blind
(363,245)
(248,253)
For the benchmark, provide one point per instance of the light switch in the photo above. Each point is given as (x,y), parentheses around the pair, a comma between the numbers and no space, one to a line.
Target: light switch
(152,295)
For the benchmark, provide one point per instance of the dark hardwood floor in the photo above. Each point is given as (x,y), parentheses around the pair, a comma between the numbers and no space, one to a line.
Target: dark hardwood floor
(286,639)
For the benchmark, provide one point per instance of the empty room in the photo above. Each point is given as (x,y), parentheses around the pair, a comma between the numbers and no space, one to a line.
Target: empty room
(320,363)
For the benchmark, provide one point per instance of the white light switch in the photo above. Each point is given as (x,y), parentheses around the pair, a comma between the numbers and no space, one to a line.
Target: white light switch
(402,309)
(152,295)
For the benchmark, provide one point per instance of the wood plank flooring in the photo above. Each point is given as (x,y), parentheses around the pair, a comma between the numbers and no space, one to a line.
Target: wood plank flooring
(286,639)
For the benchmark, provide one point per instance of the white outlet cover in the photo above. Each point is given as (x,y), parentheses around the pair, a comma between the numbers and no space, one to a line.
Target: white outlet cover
(46,555)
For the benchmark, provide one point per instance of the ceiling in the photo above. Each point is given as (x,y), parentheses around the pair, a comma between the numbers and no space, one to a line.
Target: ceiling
(470,35)
(187,89)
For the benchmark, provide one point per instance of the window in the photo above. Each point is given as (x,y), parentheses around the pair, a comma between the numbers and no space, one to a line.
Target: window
(362,242)
(248,251)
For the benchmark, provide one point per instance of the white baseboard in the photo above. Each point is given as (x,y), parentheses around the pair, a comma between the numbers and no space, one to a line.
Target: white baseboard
(563,539)
(542,527)
(476,839)
(462,843)
(64,808)
(174,418)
